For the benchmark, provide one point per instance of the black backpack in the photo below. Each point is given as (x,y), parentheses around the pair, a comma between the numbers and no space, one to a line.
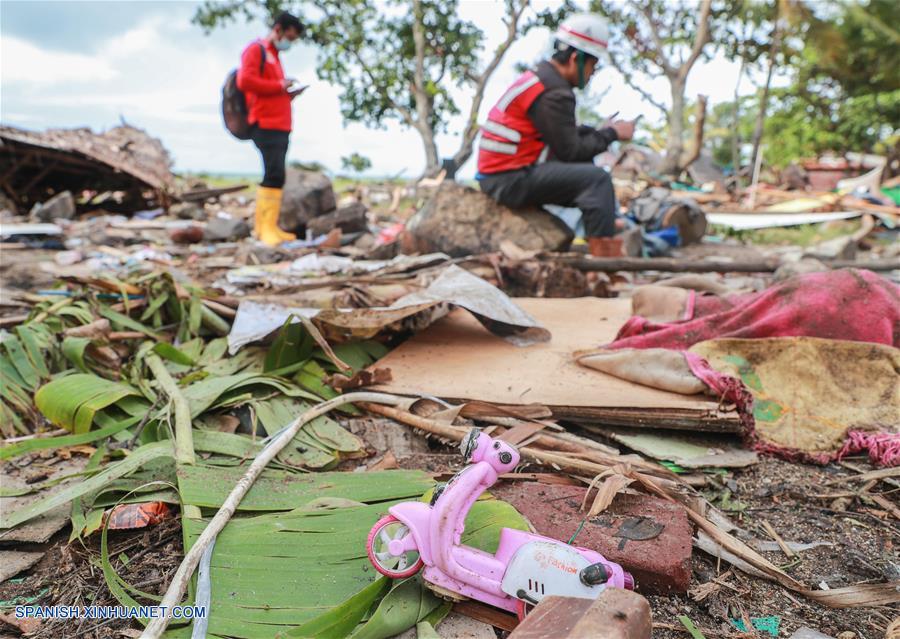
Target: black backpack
(234,103)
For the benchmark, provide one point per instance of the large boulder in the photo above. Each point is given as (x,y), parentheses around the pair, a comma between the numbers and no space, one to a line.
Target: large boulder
(307,194)
(460,221)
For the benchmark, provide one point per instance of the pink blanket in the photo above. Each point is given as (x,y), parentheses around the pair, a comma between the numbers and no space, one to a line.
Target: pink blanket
(850,304)
(847,304)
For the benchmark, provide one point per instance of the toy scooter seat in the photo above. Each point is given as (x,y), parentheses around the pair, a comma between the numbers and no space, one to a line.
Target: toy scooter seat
(510,541)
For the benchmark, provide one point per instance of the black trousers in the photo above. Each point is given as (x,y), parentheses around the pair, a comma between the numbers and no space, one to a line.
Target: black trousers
(578,184)
(273,146)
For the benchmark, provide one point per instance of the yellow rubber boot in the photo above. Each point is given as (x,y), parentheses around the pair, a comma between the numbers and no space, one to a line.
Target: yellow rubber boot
(268,206)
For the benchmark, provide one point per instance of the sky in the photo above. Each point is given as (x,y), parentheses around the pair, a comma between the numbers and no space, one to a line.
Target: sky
(92,63)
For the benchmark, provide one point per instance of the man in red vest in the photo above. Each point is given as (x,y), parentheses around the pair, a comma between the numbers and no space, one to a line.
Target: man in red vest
(532,152)
(269,96)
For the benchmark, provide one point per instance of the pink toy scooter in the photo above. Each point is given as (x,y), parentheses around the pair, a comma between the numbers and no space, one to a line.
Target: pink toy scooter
(526,567)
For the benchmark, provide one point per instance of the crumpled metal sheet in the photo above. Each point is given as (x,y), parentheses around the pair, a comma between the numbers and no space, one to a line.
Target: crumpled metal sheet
(493,308)
(453,287)
(255,321)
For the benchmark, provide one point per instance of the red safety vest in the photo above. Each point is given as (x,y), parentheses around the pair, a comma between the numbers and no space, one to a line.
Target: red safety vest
(509,139)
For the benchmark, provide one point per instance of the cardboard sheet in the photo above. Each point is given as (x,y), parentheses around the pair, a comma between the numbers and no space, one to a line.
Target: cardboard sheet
(457,358)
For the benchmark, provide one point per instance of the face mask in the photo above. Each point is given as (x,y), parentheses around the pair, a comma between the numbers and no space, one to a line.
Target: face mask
(283,45)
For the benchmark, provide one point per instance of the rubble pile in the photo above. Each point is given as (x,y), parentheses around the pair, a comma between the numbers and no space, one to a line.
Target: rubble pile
(715,414)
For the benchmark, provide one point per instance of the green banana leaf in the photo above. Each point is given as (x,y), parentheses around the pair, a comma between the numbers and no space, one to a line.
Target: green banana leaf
(292,344)
(341,620)
(73,401)
(403,607)
(215,391)
(321,443)
(273,572)
(208,486)
(73,348)
(26,370)
(30,445)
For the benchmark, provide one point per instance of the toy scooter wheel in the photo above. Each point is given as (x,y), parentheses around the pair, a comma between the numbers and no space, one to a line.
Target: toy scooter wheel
(385,530)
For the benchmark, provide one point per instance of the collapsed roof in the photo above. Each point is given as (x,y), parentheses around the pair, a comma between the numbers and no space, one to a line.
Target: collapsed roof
(35,165)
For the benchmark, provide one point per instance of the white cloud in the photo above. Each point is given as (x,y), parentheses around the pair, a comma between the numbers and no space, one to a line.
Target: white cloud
(25,63)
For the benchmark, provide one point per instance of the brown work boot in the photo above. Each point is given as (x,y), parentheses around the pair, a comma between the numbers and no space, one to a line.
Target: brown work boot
(605,246)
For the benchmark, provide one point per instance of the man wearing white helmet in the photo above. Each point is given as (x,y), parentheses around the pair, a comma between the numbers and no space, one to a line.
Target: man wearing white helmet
(532,151)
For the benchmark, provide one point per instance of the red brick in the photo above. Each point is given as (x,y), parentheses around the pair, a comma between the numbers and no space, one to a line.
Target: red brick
(660,565)
(615,614)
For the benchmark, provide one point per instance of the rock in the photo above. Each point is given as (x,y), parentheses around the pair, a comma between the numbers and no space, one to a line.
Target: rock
(307,194)
(794,178)
(224,229)
(186,234)
(649,537)
(839,248)
(350,219)
(460,221)
(615,614)
(536,279)
(385,435)
(187,211)
(788,270)
(59,207)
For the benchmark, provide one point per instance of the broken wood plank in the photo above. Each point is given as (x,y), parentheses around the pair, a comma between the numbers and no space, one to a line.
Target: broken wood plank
(487,614)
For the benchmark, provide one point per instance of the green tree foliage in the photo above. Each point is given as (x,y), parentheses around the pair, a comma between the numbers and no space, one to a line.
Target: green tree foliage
(356,163)
(806,126)
(845,89)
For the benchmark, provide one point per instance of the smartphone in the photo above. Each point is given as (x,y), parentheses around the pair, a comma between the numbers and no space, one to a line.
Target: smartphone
(297,88)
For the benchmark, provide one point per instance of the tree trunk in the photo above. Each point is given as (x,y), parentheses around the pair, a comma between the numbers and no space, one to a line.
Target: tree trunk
(764,97)
(674,144)
(699,122)
(423,100)
(432,163)
(735,128)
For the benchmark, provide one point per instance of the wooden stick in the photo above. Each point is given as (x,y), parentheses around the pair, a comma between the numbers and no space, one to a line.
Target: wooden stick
(601,461)
(182,576)
(778,540)
(12,320)
(221,309)
(689,265)
(122,335)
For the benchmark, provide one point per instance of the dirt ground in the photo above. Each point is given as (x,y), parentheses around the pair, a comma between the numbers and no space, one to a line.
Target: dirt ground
(71,574)
(793,498)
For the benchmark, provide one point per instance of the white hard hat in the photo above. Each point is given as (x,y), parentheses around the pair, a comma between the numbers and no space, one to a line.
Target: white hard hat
(586,32)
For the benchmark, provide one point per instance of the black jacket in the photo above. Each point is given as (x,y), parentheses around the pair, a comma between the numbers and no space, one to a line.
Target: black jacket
(553,114)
